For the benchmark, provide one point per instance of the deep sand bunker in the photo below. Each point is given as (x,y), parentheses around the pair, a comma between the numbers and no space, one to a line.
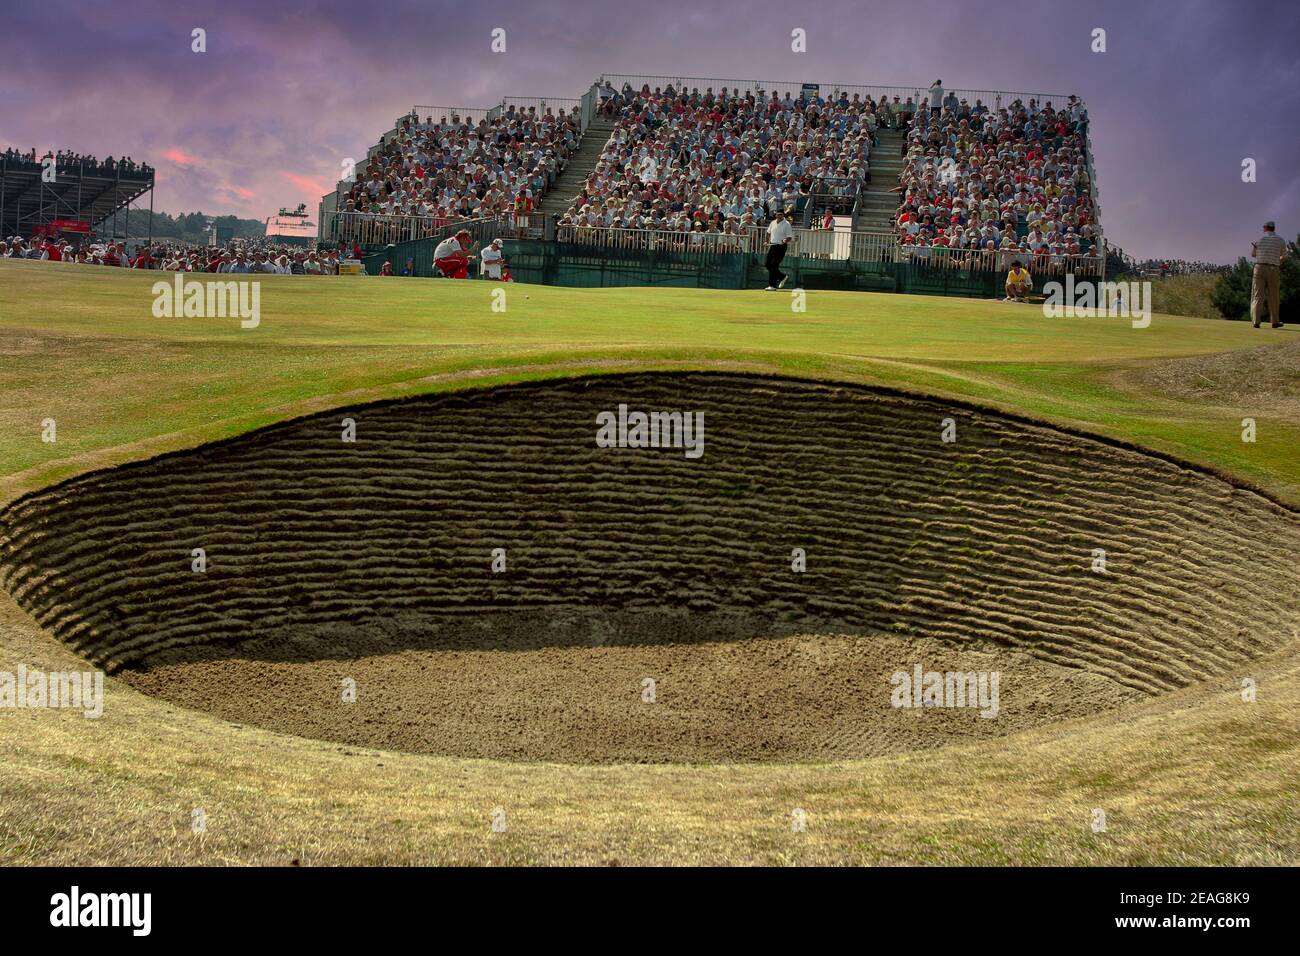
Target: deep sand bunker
(372,560)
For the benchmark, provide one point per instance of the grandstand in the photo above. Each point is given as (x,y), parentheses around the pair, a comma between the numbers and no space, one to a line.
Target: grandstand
(84,194)
(672,176)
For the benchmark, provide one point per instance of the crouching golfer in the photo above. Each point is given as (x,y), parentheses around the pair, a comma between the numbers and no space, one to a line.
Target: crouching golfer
(452,256)
(1019,283)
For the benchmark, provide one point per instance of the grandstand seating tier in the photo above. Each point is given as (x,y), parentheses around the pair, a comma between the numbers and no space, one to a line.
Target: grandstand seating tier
(27,201)
(558,197)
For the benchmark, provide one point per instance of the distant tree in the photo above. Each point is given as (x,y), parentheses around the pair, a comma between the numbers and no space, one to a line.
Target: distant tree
(188,226)
(241,227)
(192,223)
(1231,295)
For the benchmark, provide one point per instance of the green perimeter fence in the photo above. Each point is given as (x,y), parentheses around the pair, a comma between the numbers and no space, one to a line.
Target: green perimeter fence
(583,266)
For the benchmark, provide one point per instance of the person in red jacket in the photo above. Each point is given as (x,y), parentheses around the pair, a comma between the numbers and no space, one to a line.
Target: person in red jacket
(451,257)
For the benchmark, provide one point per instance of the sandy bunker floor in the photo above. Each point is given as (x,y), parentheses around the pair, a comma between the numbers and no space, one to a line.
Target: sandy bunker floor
(371,561)
(790,698)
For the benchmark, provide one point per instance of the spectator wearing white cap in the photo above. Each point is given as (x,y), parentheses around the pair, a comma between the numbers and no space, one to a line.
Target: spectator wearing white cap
(493,260)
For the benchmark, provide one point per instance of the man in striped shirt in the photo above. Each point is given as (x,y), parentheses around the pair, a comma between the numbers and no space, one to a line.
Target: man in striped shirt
(1269,250)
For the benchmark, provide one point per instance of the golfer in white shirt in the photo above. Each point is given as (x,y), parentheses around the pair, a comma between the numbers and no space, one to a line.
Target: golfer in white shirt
(779,234)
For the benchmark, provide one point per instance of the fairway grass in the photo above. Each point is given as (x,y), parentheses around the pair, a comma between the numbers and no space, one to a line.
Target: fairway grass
(1192,777)
(82,346)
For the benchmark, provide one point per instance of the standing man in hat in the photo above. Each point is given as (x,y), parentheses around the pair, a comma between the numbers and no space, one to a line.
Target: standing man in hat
(493,261)
(1269,251)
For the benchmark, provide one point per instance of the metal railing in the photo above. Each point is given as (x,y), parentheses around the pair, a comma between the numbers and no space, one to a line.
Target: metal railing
(1096,197)
(831,244)
(451,114)
(994,98)
(373,229)
(672,240)
(999,260)
(80,167)
(557,105)
(834,244)
(873,247)
(838,194)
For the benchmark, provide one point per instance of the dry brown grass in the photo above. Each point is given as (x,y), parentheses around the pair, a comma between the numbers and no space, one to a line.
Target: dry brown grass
(1185,295)
(1194,777)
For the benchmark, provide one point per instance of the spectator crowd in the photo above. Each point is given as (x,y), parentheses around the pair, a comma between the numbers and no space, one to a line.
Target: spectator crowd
(245,256)
(1178,267)
(1014,180)
(1119,262)
(723,164)
(456,169)
(67,159)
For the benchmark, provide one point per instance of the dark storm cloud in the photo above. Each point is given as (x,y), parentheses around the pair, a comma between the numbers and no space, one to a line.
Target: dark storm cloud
(285,92)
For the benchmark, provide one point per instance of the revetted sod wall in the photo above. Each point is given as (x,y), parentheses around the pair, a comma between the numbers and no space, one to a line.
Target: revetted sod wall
(987,539)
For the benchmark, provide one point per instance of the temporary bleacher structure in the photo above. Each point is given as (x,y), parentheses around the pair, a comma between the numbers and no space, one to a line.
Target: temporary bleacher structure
(860,249)
(34,194)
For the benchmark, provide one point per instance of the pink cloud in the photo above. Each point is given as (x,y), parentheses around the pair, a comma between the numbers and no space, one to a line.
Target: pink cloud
(178,156)
(308,185)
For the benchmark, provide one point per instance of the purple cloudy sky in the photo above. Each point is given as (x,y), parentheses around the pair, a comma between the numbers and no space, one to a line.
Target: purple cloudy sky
(1185,91)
